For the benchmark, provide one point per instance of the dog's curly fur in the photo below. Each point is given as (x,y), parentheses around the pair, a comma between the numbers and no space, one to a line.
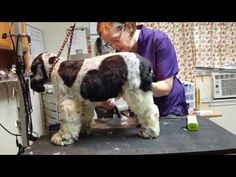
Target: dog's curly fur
(83,84)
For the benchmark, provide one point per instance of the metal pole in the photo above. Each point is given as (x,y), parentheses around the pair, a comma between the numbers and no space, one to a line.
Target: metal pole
(22,113)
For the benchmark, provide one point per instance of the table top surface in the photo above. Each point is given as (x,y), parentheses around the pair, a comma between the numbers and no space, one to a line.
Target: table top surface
(120,137)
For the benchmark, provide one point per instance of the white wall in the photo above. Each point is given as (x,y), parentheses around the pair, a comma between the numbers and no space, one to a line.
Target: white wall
(55,33)
(228,120)
(8,115)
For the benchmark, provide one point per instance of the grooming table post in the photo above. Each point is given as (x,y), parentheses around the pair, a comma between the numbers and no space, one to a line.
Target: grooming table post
(22,113)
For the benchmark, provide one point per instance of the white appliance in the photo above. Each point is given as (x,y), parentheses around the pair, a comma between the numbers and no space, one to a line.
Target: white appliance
(224,85)
(189,89)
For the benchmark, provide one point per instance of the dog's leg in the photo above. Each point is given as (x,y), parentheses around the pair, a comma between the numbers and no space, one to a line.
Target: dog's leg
(142,104)
(87,117)
(70,113)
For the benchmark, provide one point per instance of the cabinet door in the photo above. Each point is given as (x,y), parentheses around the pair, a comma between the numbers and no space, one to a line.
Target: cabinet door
(5,43)
(24,39)
(25,48)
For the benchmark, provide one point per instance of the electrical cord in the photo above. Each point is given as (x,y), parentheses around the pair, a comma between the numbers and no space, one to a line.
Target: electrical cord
(17,134)
(9,131)
(19,146)
(25,92)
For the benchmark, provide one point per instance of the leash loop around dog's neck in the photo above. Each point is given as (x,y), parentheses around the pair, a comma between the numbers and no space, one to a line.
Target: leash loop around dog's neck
(51,69)
(70,34)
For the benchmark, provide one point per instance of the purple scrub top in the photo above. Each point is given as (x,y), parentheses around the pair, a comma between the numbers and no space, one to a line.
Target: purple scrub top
(158,49)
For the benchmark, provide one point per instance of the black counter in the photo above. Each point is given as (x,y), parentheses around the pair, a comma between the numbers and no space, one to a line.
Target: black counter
(109,138)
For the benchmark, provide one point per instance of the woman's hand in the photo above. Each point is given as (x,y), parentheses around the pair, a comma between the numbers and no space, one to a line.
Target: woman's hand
(109,104)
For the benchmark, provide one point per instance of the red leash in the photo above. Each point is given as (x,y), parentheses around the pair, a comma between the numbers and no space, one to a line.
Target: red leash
(70,34)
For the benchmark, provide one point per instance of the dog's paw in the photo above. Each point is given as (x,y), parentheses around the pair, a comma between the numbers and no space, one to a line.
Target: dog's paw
(62,139)
(86,132)
(148,133)
(89,131)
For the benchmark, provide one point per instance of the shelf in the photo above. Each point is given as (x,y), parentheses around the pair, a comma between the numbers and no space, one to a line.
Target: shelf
(8,80)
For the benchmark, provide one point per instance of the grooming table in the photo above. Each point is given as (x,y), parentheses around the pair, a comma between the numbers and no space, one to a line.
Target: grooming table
(119,136)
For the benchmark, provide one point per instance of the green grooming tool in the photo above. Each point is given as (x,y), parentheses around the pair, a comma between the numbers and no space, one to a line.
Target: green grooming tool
(192,123)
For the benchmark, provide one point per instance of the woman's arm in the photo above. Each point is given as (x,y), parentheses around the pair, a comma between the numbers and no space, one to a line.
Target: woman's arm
(162,88)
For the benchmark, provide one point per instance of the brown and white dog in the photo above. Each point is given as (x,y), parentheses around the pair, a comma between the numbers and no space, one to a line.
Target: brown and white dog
(82,84)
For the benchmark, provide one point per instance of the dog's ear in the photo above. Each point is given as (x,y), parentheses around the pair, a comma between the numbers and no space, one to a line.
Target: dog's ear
(37,61)
(38,76)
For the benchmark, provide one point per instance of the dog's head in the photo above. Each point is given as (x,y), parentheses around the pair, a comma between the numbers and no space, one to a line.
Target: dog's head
(40,70)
